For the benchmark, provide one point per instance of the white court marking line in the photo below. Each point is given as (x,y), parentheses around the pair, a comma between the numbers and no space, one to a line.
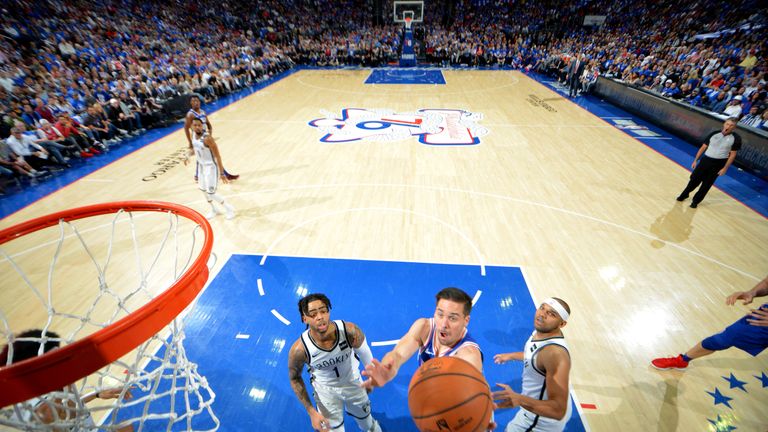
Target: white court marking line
(651,138)
(618,118)
(515,81)
(231,120)
(506,198)
(476,297)
(261,287)
(386,343)
(385,209)
(242,336)
(280,317)
(549,125)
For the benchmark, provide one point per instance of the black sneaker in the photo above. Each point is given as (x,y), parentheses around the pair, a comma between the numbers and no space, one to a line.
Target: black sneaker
(681,198)
(694,204)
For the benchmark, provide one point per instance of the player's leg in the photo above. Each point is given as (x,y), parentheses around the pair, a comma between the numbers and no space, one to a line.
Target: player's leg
(228,208)
(741,334)
(331,406)
(359,407)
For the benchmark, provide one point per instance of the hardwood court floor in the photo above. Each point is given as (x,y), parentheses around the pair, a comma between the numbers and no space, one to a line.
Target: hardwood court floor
(585,210)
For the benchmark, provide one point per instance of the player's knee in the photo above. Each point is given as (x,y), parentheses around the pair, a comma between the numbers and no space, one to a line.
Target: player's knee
(718,342)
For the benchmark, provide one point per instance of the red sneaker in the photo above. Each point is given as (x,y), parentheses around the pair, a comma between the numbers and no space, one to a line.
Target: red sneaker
(85,154)
(666,363)
(94,151)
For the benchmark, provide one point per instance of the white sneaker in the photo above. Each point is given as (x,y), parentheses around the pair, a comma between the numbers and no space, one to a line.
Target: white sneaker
(230,212)
(212,214)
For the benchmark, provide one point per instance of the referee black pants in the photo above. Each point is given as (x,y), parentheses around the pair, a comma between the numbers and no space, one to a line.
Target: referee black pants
(705,175)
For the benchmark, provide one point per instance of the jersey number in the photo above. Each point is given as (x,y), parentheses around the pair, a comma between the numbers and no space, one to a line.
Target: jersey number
(336,369)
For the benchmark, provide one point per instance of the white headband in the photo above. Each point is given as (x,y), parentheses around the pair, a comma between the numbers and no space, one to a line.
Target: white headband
(557,307)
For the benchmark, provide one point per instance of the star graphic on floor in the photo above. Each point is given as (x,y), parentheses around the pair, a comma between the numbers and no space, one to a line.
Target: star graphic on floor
(736,383)
(722,424)
(721,398)
(763,378)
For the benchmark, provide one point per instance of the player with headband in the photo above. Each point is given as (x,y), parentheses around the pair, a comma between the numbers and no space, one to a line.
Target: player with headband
(545,402)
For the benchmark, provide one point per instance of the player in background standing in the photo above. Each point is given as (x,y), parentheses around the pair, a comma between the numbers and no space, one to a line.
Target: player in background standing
(209,169)
(195,112)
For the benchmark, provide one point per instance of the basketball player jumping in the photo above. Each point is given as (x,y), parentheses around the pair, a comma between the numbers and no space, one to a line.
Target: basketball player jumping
(545,402)
(195,112)
(331,350)
(209,168)
(445,334)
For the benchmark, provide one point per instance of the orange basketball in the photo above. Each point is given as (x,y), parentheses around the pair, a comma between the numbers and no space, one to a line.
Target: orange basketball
(449,394)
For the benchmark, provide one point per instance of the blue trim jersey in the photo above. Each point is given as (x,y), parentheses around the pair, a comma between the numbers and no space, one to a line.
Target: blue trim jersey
(202,116)
(427,352)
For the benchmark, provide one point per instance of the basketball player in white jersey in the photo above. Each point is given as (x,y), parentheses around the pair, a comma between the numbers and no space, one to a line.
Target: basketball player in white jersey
(209,169)
(331,350)
(195,112)
(545,402)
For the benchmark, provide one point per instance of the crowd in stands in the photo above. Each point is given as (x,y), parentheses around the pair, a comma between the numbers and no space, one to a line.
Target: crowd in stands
(77,77)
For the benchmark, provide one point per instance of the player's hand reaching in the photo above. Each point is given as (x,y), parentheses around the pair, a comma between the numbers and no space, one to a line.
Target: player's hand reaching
(113,393)
(378,374)
(189,154)
(319,423)
(758,317)
(224,178)
(507,398)
(746,296)
(502,358)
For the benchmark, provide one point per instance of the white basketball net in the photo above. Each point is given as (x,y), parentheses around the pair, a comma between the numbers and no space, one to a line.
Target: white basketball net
(155,387)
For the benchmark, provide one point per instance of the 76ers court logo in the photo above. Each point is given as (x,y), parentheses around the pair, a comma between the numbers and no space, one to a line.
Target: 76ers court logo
(430,126)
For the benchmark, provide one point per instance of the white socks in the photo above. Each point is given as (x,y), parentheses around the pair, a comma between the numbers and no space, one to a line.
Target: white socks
(229,211)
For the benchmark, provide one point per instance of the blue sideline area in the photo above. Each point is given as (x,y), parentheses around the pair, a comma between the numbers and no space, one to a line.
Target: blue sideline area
(405,76)
(742,185)
(242,346)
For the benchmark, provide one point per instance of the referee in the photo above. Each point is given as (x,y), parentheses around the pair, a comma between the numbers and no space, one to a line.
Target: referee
(712,160)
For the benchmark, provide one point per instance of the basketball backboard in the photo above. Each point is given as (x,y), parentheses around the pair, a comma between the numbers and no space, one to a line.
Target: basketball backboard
(408,8)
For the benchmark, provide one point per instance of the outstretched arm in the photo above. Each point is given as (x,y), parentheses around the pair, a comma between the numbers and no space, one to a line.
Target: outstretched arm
(503,358)
(380,373)
(187,127)
(556,362)
(297,357)
(759,290)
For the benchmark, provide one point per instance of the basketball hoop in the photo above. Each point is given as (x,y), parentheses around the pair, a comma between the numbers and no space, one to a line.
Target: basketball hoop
(96,342)
(408,21)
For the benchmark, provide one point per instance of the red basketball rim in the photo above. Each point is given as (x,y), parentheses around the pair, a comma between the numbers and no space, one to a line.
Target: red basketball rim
(60,367)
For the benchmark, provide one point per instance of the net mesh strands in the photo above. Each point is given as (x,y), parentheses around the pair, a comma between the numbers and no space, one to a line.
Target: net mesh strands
(115,282)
